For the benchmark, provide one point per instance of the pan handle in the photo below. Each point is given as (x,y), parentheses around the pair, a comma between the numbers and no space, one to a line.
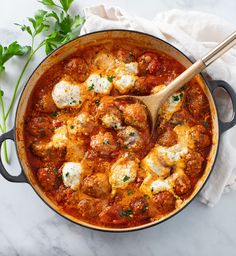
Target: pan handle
(21,177)
(224,126)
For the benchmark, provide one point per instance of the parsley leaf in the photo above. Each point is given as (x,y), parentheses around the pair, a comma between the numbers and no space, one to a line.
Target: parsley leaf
(126,213)
(130,192)
(13,49)
(66,4)
(126,178)
(49,3)
(91,87)
(106,142)
(110,78)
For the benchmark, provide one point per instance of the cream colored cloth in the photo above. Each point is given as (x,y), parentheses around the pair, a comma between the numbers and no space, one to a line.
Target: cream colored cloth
(194,33)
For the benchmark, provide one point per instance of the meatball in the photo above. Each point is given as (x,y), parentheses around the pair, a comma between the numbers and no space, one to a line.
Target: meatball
(63,194)
(149,63)
(196,102)
(40,126)
(47,178)
(89,208)
(135,115)
(130,138)
(182,116)
(144,84)
(168,138)
(182,185)
(194,162)
(115,216)
(199,137)
(139,206)
(77,69)
(103,143)
(47,152)
(164,201)
(45,103)
(96,185)
(125,55)
(108,106)
(81,124)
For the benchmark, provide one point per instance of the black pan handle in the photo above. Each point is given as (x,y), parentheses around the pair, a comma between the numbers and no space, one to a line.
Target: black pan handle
(224,126)
(21,177)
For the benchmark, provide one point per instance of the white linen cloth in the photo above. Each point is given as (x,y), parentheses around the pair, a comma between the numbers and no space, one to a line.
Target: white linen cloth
(194,33)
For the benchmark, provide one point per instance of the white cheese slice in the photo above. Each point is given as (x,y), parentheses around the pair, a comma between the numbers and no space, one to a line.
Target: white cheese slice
(98,84)
(65,94)
(123,171)
(71,174)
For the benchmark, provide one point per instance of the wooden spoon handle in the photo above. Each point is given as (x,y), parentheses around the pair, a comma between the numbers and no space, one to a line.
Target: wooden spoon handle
(198,66)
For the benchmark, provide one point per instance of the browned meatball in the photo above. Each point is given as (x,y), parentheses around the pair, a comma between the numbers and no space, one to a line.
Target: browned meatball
(47,152)
(103,143)
(96,185)
(194,162)
(164,201)
(182,185)
(149,63)
(125,55)
(45,103)
(196,102)
(179,117)
(47,178)
(89,208)
(40,126)
(168,138)
(115,216)
(199,137)
(63,194)
(77,69)
(145,84)
(135,115)
(139,205)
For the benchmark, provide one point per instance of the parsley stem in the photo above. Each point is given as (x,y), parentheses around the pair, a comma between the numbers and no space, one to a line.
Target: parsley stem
(4,129)
(19,80)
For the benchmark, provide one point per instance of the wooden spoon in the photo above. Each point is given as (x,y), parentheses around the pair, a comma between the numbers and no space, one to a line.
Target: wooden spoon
(154,101)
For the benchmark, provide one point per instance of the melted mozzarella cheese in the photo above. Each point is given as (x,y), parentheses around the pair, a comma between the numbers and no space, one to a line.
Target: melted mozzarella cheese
(98,84)
(111,121)
(59,139)
(125,76)
(172,154)
(71,174)
(123,171)
(172,105)
(79,123)
(152,186)
(66,94)
(152,163)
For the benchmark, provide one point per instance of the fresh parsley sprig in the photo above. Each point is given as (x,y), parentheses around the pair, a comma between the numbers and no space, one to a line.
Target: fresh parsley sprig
(56,26)
(6,53)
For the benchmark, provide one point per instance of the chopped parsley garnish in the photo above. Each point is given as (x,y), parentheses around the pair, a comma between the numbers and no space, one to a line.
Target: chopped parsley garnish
(106,142)
(97,102)
(67,174)
(54,114)
(55,170)
(130,192)
(100,75)
(206,124)
(152,189)
(131,134)
(80,101)
(110,78)
(72,127)
(91,87)
(177,122)
(126,147)
(73,102)
(126,178)
(177,97)
(146,196)
(126,213)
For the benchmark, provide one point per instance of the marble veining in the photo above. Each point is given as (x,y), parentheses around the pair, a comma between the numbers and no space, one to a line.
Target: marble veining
(28,227)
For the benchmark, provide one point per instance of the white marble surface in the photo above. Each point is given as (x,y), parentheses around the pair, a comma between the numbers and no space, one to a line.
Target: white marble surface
(29,227)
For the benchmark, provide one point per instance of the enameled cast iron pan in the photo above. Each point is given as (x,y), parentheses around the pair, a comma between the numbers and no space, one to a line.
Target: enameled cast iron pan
(138,39)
